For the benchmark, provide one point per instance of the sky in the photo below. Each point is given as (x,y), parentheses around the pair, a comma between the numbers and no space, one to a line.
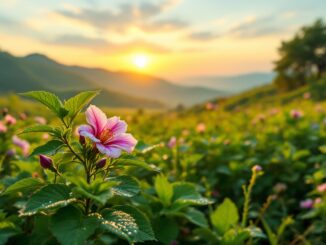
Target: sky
(174,39)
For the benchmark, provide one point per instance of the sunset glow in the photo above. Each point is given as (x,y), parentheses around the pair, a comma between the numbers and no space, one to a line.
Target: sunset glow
(141,61)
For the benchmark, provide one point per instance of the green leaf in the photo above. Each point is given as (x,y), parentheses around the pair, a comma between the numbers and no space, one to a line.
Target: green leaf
(50,148)
(99,190)
(145,231)
(41,234)
(50,100)
(235,237)
(196,217)
(40,129)
(101,196)
(7,230)
(120,223)
(255,232)
(75,104)
(207,235)
(71,227)
(270,234)
(163,189)
(25,185)
(166,229)
(126,186)
(185,194)
(48,197)
(121,162)
(225,216)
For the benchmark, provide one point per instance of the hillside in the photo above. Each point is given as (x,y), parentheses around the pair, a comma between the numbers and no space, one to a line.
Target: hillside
(233,84)
(33,73)
(125,89)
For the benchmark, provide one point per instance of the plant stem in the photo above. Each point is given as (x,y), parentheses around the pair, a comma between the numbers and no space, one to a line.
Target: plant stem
(247,193)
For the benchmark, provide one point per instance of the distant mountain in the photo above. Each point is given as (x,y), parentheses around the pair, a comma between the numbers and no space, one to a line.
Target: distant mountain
(233,84)
(119,89)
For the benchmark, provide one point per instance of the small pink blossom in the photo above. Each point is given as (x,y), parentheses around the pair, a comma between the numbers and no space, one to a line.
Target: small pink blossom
(306,95)
(10,120)
(186,132)
(172,142)
(274,111)
(296,114)
(280,187)
(23,116)
(201,128)
(108,134)
(210,106)
(3,127)
(40,120)
(317,201)
(307,204)
(322,188)
(45,136)
(257,168)
(23,144)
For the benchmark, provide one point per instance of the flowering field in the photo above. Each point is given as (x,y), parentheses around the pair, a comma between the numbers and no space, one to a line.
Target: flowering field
(78,175)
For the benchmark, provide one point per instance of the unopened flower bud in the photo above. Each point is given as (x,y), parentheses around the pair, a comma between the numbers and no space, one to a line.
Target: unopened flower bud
(101,163)
(257,168)
(4,111)
(11,152)
(45,162)
(82,140)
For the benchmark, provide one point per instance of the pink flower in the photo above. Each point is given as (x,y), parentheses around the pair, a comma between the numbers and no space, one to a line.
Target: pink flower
(317,201)
(3,127)
(201,128)
(23,144)
(296,114)
(108,134)
(322,188)
(306,95)
(210,106)
(172,142)
(307,204)
(10,120)
(40,120)
(257,168)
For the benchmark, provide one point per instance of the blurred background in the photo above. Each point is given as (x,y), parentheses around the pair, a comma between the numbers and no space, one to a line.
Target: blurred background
(160,54)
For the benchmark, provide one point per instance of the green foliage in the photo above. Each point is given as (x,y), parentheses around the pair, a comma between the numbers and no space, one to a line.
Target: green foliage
(50,100)
(48,197)
(25,186)
(50,148)
(163,189)
(302,57)
(81,202)
(225,216)
(71,227)
(75,104)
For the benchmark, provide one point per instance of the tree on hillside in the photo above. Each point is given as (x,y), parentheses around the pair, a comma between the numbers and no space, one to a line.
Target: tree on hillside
(302,58)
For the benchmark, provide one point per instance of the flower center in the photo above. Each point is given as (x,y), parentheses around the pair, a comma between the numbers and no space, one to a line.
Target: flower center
(105,135)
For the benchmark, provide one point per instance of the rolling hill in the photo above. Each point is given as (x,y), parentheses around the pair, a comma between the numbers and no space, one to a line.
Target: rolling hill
(233,84)
(119,89)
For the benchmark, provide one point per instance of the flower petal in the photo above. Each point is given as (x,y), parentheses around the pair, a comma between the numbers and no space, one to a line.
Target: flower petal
(116,125)
(88,131)
(124,142)
(110,151)
(96,118)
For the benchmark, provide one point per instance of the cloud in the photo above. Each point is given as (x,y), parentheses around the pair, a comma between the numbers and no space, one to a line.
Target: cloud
(164,25)
(257,27)
(81,41)
(203,36)
(142,16)
(102,45)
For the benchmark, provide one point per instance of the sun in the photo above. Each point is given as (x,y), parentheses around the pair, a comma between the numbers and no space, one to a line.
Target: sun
(141,61)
